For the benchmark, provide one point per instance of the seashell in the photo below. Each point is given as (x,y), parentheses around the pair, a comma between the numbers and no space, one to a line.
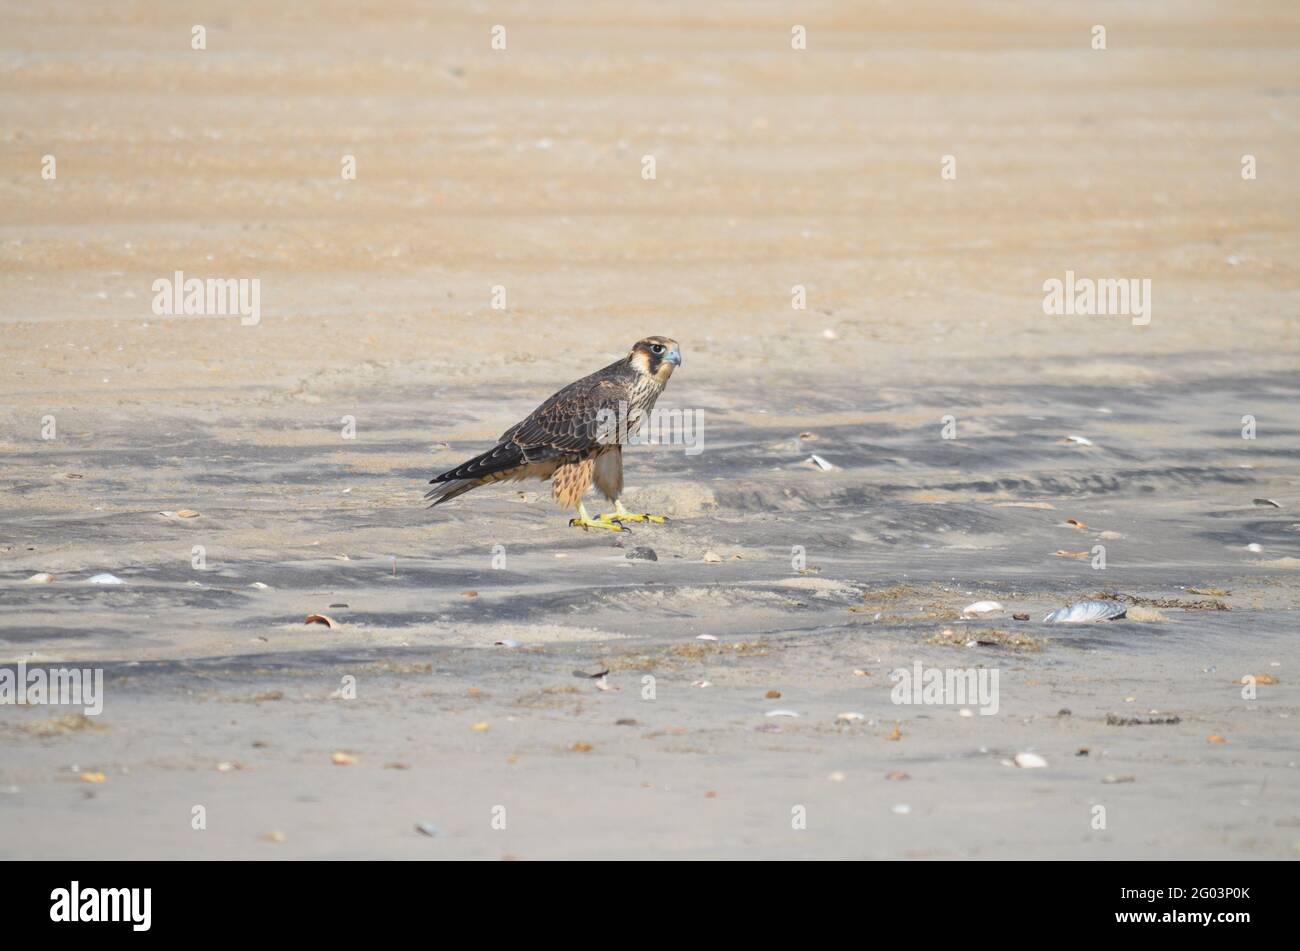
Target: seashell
(820,463)
(43,577)
(106,578)
(1081,612)
(982,607)
(180,513)
(781,713)
(1079,440)
(506,643)
(850,716)
(1030,761)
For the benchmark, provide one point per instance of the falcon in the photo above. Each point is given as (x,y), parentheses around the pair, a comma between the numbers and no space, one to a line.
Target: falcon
(576,438)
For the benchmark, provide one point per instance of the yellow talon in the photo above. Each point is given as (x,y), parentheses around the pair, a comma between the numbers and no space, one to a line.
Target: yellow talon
(623,515)
(631,517)
(585,521)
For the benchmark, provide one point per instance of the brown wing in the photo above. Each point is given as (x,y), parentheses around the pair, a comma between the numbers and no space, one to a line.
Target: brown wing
(576,419)
(563,431)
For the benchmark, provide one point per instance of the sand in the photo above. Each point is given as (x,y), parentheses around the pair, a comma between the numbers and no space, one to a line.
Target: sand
(304,441)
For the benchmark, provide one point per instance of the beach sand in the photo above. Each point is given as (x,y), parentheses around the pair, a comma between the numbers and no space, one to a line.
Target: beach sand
(303,442)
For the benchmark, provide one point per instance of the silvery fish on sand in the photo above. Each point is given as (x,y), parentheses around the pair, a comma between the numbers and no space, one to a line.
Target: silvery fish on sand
(1081,612)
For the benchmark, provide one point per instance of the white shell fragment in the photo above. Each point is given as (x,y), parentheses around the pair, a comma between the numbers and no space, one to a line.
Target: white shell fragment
(505,643)
(781,713)
(106,578)
(1081,612)
(820,463)
(1079,440)
(982,607)
(850,716)
(705,637)
(1030,761)
(43,577)
(1255,547)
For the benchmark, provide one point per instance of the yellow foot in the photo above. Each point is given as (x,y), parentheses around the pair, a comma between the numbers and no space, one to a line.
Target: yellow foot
(632,517)
(608,523)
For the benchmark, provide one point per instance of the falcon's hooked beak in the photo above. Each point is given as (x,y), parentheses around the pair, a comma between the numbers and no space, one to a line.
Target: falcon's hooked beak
(673,356)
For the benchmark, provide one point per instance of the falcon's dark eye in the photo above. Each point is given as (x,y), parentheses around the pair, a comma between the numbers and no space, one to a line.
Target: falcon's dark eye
(656,348)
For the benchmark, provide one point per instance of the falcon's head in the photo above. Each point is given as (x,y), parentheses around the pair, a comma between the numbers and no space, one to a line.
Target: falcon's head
(656,357)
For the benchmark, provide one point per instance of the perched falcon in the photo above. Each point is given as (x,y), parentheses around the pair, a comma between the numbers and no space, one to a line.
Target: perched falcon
(576,437)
